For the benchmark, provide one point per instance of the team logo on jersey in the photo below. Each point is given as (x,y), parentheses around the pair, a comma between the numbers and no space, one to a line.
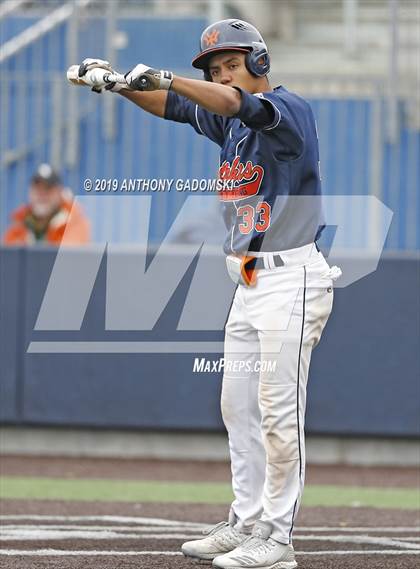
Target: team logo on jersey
(238,181)
(212,38)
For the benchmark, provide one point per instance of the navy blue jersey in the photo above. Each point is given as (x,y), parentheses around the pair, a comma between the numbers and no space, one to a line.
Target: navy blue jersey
(269,181)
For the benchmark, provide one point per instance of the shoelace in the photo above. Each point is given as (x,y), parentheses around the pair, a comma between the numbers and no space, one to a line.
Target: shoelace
(258,544)
(228,537)
(214,529)
(223,534)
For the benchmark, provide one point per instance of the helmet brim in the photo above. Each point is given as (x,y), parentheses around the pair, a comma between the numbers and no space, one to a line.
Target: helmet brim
(201,61)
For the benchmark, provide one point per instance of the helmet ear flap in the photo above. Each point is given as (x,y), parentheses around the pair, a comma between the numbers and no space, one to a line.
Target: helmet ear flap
(207,76)
(248,63)
(258,62)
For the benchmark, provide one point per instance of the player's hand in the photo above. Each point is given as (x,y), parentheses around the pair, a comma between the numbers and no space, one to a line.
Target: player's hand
(93,63)
(145,78)
(93,70)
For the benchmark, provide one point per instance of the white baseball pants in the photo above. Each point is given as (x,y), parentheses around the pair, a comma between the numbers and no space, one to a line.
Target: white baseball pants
(270,333)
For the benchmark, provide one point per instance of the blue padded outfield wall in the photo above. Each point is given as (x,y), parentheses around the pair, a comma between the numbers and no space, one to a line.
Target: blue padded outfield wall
(363,381)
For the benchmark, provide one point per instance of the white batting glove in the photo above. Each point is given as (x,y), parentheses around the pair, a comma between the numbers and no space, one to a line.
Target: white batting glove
(95,78)
(93,70)
(92,62)
(145,78)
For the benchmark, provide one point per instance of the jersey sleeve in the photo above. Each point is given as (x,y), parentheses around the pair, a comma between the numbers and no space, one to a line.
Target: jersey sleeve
(180,109)
(275,117)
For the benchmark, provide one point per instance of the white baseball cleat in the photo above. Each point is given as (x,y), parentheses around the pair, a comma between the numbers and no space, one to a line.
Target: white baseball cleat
(259,551)
(220,539)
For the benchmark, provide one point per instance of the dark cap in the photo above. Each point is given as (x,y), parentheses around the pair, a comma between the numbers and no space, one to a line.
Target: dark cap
(45,174)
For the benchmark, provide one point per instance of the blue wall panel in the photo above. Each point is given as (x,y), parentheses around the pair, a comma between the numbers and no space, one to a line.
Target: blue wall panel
(365,372)
(111,390)
(11,26)
(163,43)
(364,375)
(11,313)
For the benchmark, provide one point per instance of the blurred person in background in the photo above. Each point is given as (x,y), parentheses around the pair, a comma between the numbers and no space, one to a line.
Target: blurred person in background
(49,214)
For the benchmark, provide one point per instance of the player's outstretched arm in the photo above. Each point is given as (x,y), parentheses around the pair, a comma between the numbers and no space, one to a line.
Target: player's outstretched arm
(216,98)
(147,87)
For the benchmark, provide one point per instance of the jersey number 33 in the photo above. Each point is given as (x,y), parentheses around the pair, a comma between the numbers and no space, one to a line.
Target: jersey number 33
(251,217)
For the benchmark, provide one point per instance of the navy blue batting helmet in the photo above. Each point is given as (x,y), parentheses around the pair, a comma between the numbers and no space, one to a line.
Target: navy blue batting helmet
(233,35)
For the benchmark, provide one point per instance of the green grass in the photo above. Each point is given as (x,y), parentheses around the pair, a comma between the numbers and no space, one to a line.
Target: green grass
(32,488)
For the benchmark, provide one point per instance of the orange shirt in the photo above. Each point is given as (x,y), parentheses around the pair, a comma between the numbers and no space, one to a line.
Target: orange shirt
(69,221)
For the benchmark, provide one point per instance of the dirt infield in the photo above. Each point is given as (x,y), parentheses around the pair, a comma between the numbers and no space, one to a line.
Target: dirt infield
(51,534)
(131,469)
(109,536)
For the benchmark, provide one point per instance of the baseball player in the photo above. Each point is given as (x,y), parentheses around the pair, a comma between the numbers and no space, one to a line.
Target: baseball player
(270,195)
